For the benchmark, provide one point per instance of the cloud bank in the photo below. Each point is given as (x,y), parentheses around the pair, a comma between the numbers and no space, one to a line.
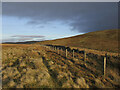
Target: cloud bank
(28,36)
(23,38)
(80,16)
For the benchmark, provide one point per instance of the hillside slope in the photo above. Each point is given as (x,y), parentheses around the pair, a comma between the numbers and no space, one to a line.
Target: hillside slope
(106,40)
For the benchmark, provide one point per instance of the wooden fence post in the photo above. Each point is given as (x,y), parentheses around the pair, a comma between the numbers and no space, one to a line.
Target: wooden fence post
(66,52)
(73,54)
(58,50)
(61,49)
(105,58)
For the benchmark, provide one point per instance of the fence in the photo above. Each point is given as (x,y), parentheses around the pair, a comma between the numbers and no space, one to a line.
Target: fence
(69,52)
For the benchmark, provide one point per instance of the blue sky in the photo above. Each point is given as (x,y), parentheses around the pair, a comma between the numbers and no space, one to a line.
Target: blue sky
(25,21)
(17,26)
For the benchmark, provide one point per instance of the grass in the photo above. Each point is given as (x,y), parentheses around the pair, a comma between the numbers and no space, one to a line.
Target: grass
(106,40)
(23,69)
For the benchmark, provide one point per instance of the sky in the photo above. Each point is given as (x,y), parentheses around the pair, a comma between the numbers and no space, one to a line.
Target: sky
(26,21)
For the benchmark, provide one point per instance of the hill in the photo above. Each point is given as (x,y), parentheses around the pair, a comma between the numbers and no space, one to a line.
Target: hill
(106,40)
(26,42)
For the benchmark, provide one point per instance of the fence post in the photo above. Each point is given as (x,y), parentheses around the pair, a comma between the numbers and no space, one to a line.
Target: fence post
(58,50)
(66,52)
(105,58)
(61,49)
(73,54)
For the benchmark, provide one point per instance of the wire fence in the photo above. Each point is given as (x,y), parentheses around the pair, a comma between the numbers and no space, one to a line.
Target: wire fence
(104,60)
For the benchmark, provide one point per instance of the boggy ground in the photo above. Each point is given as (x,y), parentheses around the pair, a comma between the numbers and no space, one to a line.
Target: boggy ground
(35,66)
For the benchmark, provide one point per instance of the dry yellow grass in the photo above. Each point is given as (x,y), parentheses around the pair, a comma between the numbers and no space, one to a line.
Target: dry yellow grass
(35,66)
(106,40)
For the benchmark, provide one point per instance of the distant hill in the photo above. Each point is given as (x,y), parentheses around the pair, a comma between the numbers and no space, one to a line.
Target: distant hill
(27,42)
(106,40)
